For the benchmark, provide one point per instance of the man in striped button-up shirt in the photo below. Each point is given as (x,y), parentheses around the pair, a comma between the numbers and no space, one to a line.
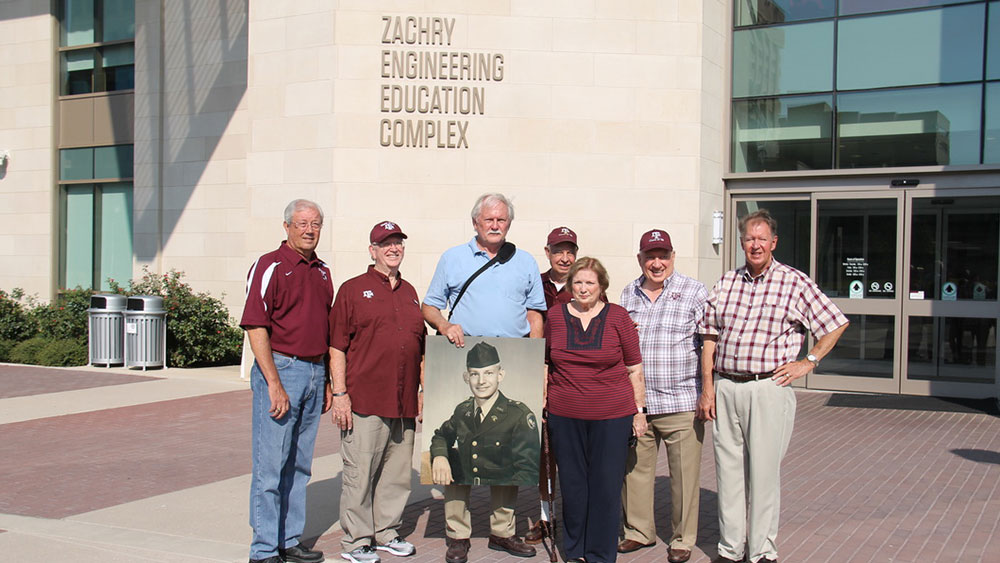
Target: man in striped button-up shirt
(755,322)
(666,307)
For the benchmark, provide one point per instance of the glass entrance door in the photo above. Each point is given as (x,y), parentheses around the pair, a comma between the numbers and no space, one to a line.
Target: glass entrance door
(916,271)
(856,251)
(950,311)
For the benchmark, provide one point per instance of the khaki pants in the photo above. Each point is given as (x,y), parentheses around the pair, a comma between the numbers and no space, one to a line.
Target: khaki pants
(378,459)
(683,436)
(752,429)
(458,521)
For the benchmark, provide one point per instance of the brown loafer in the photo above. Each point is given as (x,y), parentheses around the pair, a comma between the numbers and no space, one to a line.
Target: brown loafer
(628,546)
(458,551)
(538,532)
(678,555)
(511,545)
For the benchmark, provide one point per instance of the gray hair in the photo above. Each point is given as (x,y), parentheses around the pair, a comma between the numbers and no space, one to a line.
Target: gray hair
(299,205)
(491,200)
(761,215)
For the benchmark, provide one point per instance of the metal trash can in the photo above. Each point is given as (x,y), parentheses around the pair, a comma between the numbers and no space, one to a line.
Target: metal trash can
(106,329)
(145,332)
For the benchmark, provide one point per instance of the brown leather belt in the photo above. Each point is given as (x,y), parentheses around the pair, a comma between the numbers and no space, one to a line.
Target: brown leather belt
(744,377)
(311,359)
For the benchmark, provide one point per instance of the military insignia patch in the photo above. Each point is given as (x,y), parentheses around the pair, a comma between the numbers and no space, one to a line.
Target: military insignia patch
(531,421)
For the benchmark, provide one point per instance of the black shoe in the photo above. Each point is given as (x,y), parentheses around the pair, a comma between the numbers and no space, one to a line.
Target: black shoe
(299,554)
(271,559)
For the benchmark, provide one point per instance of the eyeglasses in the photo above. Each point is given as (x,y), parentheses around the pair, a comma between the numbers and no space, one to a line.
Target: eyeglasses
(390,244)
(303,225)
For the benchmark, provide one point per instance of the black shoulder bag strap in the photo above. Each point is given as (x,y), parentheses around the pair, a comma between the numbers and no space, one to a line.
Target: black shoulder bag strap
(503,256)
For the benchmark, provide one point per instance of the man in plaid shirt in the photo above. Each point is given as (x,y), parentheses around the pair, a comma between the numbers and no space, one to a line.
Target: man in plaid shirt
(754,326)
(666,307)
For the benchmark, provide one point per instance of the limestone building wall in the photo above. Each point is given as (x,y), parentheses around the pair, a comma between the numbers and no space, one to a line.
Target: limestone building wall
(601,115)
(27,202)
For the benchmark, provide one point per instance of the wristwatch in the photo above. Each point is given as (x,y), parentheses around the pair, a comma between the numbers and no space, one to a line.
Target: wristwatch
(812,358)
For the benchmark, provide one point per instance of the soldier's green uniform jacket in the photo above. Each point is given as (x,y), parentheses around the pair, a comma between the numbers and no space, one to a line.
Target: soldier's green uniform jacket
(504,449)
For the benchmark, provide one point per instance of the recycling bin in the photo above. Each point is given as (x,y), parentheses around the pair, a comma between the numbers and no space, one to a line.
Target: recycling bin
(106,329)
(145,332)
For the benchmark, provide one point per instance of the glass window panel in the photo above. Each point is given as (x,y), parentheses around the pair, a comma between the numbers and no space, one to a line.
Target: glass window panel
(867,6)
(955,248)
(76,164)
(116,233)
(78,237)
(119,19)
(78,22)
(952,349)
(856,248)
(991,141)
(119,70)
(782,134)
(925,47)
(753,12)
(914,127)
(785,59)
(78,72)
(113,162)
(993,42)
(793,230)
(864,350)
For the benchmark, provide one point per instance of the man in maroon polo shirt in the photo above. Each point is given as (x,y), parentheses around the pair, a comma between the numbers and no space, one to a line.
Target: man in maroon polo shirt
(289,292)
(376,345)
(560,250)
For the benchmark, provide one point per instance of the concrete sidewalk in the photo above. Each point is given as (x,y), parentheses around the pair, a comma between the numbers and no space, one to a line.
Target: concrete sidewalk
(122,465)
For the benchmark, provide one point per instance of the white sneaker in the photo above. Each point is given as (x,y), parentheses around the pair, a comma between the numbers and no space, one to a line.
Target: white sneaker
(398,547)
(363,554)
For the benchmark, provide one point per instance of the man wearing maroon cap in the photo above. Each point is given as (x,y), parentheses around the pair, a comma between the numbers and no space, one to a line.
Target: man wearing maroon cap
(665,306)
(376,345)
(289,292)
(560,250)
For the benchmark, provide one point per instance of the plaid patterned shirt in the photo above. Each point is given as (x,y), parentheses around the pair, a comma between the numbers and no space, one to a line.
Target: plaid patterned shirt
(761,321)
(669,341)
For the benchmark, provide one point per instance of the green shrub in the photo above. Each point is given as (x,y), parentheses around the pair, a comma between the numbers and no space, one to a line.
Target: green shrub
(16,323)
(199,329)
(66,352)
(65,317)
(5,347)
(29,351)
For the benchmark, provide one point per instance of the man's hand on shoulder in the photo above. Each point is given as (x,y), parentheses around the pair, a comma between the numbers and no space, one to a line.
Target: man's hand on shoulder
(279,400)
(441,471)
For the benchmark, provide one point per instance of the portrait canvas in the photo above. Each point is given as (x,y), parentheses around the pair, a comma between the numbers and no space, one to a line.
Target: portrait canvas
(482,409)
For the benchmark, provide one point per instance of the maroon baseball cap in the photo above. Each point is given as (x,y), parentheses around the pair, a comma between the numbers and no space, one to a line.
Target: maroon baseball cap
(384,230)
(561,234)
(657,238)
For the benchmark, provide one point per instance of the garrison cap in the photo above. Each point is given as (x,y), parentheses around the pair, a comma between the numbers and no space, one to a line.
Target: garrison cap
(481,355)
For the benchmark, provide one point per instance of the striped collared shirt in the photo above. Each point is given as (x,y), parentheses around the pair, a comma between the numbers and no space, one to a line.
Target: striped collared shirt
(669,341)
(761,321)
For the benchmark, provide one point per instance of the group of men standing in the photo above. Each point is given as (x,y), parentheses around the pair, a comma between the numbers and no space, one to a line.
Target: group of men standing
(727,356)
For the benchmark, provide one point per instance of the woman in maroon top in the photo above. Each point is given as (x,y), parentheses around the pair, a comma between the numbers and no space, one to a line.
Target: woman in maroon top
(595,398)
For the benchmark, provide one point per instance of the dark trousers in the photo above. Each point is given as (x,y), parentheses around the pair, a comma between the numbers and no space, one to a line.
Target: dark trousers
(591,458)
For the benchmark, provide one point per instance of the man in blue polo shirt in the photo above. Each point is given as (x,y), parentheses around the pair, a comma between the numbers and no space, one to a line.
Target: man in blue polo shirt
(506,300)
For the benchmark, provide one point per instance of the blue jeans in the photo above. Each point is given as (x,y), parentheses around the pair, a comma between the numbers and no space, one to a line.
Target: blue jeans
(282,454)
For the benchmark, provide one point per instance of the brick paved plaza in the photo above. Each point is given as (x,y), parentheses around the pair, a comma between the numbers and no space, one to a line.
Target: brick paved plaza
(116,465)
